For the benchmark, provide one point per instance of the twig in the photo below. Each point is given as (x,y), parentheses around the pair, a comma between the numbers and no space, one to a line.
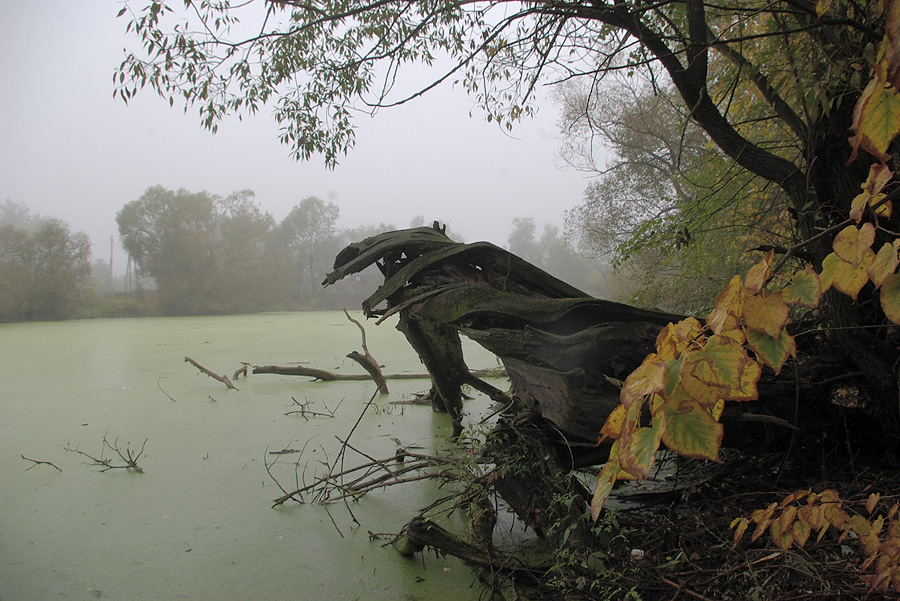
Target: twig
(304,410)
(37,463)
(680,588)
(214,376)
(129,457)
(158,385)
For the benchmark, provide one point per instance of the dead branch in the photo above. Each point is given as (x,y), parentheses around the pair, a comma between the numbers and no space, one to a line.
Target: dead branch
(366,359)
(158,385)
(36,463)
(329,376)
(128,457)
(241,371)
(305,412)
(214,376)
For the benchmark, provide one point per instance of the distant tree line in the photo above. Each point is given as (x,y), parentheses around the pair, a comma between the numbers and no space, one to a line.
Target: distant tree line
(45,269)
(196,253)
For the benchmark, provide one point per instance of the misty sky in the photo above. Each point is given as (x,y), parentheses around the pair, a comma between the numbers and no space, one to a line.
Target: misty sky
(69,150)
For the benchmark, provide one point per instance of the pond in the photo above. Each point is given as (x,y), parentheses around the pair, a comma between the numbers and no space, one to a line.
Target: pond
(199,523)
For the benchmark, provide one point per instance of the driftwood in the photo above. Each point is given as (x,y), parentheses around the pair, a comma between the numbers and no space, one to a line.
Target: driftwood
(224,379)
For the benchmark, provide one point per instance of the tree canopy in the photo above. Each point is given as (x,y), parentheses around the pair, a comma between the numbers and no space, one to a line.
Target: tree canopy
(772,85)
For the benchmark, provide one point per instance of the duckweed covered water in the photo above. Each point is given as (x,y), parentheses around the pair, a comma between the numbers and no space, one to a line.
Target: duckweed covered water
(198,524)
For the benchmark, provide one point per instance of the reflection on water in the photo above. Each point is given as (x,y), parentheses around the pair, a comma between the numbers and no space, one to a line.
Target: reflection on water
(198,524)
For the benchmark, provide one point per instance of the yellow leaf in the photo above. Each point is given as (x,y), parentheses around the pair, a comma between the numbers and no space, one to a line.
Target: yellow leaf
(612,428)
(720,370)
(646,379)
(885,263)
(675,338)
(782,539)
(872,501)
(728,308)
(765,313)
(852,244)
(858,206)
(800,531)
(849,279)
(829,265)
(890,297)
(872,195)
(759,274)
(876,120)
(739,525)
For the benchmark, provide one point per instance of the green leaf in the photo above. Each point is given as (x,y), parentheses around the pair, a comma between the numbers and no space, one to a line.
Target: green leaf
(890,297)
(805,289)
(640,450)
(692,433)
(774,352)
(607,477)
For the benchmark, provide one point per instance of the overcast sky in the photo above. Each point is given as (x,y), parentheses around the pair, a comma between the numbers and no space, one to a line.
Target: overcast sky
(69,150)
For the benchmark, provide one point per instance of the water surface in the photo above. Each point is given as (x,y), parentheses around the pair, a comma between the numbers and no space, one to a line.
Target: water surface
(198,524)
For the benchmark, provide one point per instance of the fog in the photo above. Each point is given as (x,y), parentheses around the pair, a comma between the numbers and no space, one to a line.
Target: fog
(69,150)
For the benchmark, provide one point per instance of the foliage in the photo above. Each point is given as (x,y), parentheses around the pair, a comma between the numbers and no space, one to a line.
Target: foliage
(793,520)
(310,234)
(550,252)
(45,270)
(667,209)
(697,368)
(207,254)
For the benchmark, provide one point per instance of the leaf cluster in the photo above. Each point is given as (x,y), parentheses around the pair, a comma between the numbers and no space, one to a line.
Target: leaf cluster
(799,514)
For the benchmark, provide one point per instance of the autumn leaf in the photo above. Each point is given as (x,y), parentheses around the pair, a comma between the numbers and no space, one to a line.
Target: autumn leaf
(637,456)
(646,379)
(693,433)
(765,313)
(783,539)
(739,525)
(800,531)
(805,289)
(872,501)
(872,195)
(612,428)
(675,338)
(724,365)
(728,309)
(853,244)
(890,297)
(606,479)
(876,120)
(759,274)
(772,351)
(843,276)
(885,263)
